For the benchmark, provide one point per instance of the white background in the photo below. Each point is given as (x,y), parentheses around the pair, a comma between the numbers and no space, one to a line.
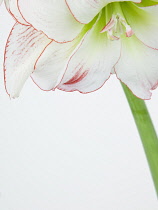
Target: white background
(68,151)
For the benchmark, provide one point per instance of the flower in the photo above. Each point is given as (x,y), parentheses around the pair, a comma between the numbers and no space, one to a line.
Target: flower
(76,45)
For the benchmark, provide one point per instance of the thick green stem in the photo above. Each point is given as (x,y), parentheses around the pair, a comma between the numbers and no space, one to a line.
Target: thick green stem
(146,132)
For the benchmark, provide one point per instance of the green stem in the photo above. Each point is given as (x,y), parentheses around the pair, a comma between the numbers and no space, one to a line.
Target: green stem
(146,131)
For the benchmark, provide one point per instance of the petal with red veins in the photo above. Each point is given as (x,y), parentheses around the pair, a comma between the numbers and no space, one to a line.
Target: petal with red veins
(144,23)
(138,67)
(24,46)
(85,10)
(51,65)
(12,7)
(52,17)
(91,65)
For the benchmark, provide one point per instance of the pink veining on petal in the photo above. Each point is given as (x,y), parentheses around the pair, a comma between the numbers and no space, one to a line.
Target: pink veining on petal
(155,86)
(77,77)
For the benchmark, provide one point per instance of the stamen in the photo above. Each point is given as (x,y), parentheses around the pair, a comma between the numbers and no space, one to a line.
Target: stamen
(109,25)
(116,27)
(129,32)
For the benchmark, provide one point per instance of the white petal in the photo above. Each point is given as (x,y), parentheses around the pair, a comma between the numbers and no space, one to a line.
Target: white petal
(23,48)
(52,17)
(144,23)
(90,66)
(1,2)
(84,11)
(12,7)
(138,67)
(51,65)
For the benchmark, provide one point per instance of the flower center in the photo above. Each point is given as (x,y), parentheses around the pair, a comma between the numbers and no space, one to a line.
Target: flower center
(116,27)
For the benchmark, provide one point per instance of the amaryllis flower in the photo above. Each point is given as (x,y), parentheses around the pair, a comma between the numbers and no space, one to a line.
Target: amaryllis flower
(77,44)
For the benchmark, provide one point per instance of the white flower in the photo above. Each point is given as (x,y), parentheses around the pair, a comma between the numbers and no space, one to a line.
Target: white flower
(77,44)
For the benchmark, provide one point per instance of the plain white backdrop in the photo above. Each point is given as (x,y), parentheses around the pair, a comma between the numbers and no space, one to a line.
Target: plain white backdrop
(68,151)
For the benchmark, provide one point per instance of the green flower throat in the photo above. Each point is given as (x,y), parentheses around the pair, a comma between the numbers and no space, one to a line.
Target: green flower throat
(118,19)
